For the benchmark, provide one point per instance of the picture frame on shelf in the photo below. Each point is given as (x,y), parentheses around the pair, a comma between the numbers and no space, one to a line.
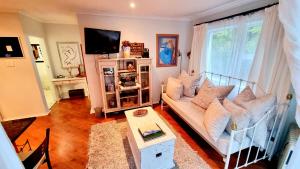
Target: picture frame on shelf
(166,50)
(37,53)
(70,54)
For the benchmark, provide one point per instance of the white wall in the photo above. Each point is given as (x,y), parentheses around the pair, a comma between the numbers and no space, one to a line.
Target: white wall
(20,93)
(136,30)
(34,31)
(60,33)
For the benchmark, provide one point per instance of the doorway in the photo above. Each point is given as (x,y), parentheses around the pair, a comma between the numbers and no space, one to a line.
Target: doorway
(41,59)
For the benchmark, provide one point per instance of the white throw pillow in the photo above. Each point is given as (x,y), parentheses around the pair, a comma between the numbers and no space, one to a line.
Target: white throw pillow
(239,118)
(189,83)
(208,92)
(174,88)
(257,109)
(245,96)
(215,119)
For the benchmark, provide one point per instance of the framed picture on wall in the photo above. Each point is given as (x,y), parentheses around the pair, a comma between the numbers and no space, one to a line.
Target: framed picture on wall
(69,53)
(166,50)
(10,47)
(37,53)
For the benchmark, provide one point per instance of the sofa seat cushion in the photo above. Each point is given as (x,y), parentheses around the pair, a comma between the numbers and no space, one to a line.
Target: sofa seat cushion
(193,115)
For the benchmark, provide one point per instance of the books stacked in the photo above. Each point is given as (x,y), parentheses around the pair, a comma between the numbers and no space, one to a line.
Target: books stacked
(150,131)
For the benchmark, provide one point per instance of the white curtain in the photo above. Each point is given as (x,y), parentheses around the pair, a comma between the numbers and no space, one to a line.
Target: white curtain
(269,68)
(197,60)
(289,14)
(232,58)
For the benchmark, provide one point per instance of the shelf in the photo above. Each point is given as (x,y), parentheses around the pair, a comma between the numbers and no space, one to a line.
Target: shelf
(122,88)
(129,107)
(126,97)
(110,92)
(145,88)
(109,75)
(144,72)
(126,71)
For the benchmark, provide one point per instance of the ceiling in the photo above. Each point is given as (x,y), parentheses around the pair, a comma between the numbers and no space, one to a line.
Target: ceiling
(64,11)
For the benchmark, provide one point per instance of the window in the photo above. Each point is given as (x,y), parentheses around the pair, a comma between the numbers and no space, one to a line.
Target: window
(231,48)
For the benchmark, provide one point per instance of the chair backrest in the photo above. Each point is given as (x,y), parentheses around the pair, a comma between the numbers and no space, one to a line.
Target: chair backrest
(37,155)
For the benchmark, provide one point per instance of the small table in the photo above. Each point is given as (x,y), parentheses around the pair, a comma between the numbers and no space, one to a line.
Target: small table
(153,154)
(59,82)
(15,128)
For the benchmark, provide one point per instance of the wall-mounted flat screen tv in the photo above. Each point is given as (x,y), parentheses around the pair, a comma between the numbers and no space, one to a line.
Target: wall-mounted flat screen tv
(99,41)
(10,47)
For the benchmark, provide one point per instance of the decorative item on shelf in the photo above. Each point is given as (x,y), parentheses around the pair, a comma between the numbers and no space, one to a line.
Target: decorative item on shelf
(112,103)
(144,83)
(146,53)
(60,76)
(81,71)
(166,50)
(110,87)
(140,112)
(70,72)
(126,49)
(108,72)
(136,49)
(130,66)
(128,79)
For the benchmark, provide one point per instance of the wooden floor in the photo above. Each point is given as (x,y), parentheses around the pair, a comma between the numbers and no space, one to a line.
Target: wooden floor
(70,123)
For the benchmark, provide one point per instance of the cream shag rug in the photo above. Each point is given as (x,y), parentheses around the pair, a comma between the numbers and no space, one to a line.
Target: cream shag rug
(109,149)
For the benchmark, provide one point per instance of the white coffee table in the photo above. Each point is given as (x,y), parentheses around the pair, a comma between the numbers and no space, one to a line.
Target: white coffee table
(153,154)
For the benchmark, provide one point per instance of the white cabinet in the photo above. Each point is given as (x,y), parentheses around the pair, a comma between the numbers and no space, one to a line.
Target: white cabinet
(126,83)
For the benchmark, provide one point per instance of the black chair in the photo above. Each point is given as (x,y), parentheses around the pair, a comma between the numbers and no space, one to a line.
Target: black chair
(35,158)
(21,147)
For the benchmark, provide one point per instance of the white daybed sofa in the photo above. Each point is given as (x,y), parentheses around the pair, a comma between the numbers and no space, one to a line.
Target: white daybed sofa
(226,145)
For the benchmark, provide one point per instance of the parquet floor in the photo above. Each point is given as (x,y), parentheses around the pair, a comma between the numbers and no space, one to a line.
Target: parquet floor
(70,123)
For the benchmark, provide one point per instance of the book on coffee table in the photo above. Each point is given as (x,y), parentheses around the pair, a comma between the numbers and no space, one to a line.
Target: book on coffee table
(150,131)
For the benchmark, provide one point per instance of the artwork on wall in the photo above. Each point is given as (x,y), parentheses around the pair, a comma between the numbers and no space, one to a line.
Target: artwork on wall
(37,53)
(166,50)
(10,47)
(69,53)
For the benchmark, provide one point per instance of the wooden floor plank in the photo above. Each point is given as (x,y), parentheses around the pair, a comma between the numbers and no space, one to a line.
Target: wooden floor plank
(70,122)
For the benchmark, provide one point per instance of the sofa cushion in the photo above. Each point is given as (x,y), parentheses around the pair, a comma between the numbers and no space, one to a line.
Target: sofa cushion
(174,88)
(239,118)
(208,92)
(215,119)
(257,109)
(193,115)
(245,96)
(189,83)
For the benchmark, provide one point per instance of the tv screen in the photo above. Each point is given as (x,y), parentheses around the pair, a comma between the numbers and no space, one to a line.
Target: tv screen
(98,41)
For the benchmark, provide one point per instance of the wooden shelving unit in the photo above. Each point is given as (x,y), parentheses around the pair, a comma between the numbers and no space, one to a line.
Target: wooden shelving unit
(126,83)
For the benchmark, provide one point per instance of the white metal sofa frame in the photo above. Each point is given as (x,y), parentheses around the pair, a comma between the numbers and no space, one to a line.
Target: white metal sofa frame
(268,151)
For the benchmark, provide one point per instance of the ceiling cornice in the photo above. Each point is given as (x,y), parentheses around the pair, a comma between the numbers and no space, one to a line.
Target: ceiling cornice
(221,8)
(229,7)
(183,19)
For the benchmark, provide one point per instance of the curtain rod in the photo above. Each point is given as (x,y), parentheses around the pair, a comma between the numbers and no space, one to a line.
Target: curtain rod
(239,14)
